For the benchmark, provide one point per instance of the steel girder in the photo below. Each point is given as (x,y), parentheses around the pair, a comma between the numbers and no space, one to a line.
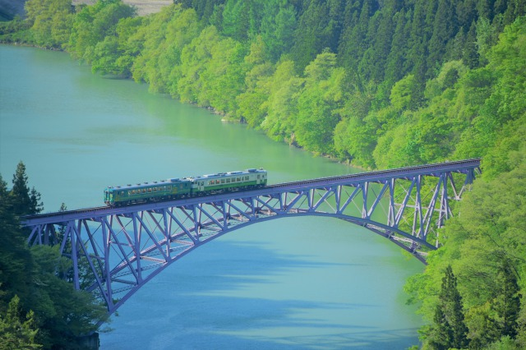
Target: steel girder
(114,252)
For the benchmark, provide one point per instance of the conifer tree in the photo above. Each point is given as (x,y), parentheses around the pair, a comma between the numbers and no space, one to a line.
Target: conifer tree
(15,259)
(470,55)
(449,329)
(23,200)
(507,303)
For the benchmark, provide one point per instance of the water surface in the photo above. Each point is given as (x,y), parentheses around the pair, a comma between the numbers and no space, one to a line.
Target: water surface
(305,283)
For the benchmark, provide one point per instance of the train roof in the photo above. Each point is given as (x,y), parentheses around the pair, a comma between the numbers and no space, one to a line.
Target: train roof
(230,173)
(187,179)
(151,184)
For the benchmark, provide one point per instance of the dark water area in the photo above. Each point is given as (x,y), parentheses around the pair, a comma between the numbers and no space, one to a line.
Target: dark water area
(293,283)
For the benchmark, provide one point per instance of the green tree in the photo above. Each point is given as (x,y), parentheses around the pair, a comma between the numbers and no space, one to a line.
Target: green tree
(14,256)
(470,55)
(448,330)
(396,66)
(62,319)
(23,200)
(282,105)
(35,276)
(92,24)
(116,54)
(319,104)
(163,37)
(236,19)
(51,21)
(355,136)
(444,30)
(252,102)
(507,303)
(278,24)
(318,28)
(15,331)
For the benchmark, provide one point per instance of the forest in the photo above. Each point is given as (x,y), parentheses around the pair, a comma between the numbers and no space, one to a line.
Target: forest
(377,84)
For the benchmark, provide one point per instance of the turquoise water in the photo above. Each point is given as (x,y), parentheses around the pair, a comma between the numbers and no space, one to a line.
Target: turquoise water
(305,283)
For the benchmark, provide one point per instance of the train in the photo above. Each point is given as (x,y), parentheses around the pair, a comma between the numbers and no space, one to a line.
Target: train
(186,187)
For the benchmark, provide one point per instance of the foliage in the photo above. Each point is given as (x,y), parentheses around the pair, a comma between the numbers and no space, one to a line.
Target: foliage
(15,332)
(30,280)
(51,21)
(448,329)
(486,245)
(93,24)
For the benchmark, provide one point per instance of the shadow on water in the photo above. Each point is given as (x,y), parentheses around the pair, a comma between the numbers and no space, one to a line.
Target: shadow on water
(224,296)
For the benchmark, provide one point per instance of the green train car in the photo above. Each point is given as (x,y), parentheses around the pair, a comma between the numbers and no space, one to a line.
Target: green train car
(185,187)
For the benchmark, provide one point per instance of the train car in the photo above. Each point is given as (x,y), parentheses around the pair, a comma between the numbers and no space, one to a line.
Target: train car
(228,182)
(147,192)
(185,187)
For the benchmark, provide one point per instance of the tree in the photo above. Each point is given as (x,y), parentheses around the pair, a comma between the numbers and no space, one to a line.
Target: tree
(15,332)
(31,280)
(448,330)
(281,106)
(319,104)
(93,23)
(470,54)
(252,101)
(444,29)
(51,21)
(236,19)
(14,256)
(507,302)
(23,200)
(277,28)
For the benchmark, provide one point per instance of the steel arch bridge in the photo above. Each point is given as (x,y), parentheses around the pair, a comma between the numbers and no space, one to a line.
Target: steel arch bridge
(115,251)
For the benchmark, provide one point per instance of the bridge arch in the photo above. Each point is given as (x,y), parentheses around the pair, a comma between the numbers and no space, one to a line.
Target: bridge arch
(115,251)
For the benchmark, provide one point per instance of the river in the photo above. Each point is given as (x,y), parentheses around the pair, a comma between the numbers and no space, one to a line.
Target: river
(295,283)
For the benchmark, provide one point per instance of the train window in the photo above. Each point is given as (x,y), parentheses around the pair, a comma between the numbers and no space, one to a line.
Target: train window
(258,176)
(222,181)
(227,181)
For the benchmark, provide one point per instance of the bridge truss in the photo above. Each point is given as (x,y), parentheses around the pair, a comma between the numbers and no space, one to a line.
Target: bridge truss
(115,251)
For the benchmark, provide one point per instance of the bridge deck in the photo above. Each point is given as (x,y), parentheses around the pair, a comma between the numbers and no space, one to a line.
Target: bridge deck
(462,166)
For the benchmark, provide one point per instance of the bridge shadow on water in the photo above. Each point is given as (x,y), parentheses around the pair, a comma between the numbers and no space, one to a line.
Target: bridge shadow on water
(235,295)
